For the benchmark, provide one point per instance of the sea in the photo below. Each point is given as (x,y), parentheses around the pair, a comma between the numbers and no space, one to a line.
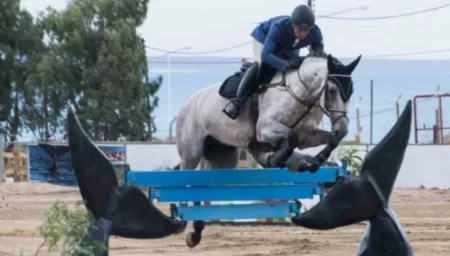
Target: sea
(394,80)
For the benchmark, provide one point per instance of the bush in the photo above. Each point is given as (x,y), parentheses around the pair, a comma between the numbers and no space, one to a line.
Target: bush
(65,230)
(354,161)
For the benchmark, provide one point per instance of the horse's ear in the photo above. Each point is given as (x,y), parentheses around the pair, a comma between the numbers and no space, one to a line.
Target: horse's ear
(350,67)
(330,64)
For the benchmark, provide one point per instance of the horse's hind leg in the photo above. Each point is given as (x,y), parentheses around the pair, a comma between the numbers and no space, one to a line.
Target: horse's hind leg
(216,156)
(190,156)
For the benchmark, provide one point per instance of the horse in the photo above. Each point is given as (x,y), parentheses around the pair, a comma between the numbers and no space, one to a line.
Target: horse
(282,116)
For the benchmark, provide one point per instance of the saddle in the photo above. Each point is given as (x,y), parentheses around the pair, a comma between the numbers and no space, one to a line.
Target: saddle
(230,85)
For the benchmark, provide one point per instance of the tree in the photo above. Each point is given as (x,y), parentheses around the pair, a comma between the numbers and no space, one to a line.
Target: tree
(97,62)
(20,43)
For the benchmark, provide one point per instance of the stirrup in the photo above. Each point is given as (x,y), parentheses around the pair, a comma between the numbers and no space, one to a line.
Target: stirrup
(236,111)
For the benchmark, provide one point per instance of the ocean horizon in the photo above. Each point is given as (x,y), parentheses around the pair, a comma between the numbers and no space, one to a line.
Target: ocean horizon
(392,78)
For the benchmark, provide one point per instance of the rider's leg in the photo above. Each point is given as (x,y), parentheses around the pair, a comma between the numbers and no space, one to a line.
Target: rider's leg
(233,108)
(257,50)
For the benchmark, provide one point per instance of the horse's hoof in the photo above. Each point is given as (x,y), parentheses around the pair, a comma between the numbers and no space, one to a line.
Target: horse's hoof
(302,167)
(277,163)
(193,239)
(315,167)
(308,165)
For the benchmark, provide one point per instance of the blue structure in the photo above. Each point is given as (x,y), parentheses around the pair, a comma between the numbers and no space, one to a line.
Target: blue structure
(182,186)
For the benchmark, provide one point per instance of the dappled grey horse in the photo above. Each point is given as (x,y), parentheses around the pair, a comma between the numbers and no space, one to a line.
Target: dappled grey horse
(127,212)
(284,116)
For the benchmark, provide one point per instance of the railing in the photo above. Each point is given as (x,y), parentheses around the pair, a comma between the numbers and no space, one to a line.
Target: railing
(438,128)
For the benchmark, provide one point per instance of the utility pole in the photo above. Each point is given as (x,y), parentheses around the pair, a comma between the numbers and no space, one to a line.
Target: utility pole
(169,80)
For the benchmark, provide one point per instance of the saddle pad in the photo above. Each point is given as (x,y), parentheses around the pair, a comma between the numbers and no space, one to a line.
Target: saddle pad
(229,87)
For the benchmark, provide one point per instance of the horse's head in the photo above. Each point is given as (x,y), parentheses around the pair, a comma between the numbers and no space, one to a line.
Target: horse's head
(338,90)
(329,86)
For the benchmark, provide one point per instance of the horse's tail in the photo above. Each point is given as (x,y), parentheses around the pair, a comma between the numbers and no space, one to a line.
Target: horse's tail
(177,167)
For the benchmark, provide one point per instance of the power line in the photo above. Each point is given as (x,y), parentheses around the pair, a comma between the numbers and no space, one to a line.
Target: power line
(365,115)
(238,61)
(330,16)
(387,16)
(203,52)
(409,53)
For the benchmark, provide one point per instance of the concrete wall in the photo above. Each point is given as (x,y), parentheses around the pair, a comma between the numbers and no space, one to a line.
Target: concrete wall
(423,165)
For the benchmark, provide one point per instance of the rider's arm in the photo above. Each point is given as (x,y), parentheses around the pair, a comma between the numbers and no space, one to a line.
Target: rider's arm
(317,44)
(268,51)
(292,54)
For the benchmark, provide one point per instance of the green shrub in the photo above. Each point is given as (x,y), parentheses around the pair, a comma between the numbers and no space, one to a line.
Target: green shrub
(65,230)
(354,161)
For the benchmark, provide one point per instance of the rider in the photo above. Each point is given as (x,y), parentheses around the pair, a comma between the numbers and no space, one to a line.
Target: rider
(276,44)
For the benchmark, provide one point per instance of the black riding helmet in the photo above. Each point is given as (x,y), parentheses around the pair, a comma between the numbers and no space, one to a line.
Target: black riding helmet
(303,17)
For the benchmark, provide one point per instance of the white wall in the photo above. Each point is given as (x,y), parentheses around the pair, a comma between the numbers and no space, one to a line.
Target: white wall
(423,165)
(151,157)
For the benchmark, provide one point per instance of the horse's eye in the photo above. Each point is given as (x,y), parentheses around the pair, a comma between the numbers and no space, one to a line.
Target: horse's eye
(332,91)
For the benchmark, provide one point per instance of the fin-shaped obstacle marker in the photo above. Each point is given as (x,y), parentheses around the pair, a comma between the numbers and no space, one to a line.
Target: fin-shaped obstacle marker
(120,211)
(366,197)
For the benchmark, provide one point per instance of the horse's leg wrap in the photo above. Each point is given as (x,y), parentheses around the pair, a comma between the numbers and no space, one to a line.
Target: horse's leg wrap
(314,163)
(194,238)
(296,159)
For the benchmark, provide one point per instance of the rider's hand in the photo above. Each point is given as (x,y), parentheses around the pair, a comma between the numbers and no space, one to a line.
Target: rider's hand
(295,64)
(318,54)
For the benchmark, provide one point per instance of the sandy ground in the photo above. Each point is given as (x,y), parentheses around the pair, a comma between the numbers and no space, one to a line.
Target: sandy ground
(425,213)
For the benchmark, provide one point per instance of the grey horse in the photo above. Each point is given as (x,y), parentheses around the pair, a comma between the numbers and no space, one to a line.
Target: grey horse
(283,117)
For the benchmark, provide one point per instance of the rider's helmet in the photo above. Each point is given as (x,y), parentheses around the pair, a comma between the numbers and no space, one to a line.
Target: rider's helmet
(303,17)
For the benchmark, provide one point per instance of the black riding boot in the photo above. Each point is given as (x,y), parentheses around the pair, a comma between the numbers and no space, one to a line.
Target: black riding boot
(233,108)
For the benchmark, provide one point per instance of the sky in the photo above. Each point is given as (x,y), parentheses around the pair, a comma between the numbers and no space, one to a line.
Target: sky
(208,25)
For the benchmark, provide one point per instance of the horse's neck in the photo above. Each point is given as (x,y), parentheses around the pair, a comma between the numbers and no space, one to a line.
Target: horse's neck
(283,103)
(305,89)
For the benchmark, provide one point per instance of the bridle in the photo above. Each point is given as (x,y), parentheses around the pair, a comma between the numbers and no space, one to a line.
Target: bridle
(316,103)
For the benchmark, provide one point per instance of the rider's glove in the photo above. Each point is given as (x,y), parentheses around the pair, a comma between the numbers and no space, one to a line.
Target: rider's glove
(295,64)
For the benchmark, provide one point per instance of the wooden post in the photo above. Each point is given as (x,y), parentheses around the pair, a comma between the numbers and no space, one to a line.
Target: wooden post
(371,112)
(397,106)
(437,129)
(2,148)
(358,122)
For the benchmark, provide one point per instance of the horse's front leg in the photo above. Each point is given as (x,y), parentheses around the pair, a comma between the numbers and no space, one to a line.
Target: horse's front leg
(313,164)
(299,162)
(313,139)
(278,136)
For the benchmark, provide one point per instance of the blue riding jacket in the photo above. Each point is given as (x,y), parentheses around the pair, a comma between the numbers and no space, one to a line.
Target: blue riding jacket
(277,35)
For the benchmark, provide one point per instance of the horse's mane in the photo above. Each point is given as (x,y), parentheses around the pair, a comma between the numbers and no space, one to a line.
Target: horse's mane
(324,55)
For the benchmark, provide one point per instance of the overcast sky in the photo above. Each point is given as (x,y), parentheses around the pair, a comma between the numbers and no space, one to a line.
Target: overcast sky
(206,25)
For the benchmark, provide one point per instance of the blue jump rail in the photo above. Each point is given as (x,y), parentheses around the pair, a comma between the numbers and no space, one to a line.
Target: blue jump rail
(234,185)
